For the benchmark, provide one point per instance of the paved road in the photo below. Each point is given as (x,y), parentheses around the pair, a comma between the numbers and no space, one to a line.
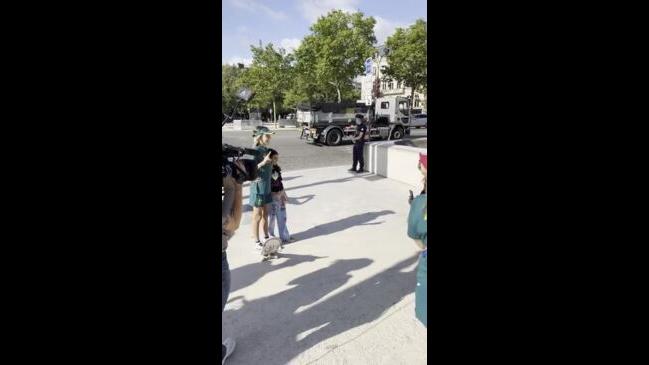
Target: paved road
(296,154)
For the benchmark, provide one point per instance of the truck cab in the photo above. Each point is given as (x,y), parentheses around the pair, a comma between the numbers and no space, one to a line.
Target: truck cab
(395,108)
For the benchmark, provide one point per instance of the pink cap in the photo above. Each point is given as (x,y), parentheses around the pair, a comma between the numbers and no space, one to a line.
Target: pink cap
(423,159)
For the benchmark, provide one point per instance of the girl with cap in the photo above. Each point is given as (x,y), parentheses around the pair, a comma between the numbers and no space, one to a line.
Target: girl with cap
(418,231)
(260,194)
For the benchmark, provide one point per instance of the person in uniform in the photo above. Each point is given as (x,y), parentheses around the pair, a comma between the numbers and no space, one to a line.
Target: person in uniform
(260,193)
(359,144)
(418,231)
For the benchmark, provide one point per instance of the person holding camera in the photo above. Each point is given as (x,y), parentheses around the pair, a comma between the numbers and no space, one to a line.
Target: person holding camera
(260,189)
(231,212)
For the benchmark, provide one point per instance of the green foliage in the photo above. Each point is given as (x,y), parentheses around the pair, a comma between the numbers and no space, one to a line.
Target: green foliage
(269,75)
(407,57)
(230,84)
(331,56)
(326,62)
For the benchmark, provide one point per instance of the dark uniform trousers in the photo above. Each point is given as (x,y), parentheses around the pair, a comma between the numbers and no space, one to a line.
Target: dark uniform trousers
(358,156)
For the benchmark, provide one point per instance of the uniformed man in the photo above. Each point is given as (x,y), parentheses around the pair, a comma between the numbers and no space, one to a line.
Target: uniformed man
(359,144)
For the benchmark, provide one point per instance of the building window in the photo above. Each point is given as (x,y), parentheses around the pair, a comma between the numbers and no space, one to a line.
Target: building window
(398,84)
(417,103)
(385,105)
(390,85)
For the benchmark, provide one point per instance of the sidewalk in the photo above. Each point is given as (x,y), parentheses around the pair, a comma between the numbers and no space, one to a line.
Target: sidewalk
(343,293)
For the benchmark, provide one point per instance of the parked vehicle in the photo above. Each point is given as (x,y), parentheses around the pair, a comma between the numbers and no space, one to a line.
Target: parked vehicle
(333,123)
(418,121)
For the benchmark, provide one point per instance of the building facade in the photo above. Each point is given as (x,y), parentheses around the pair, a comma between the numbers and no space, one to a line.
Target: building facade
(387,88)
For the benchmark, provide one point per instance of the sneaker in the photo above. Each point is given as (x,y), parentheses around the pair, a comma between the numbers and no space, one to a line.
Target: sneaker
(258,245)
(229,344)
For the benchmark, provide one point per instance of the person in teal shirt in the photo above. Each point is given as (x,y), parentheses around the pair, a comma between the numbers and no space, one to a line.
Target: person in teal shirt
(260,195)
(418,231)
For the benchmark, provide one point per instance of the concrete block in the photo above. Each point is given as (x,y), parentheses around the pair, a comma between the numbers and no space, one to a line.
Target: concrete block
(245,124)
(394,161)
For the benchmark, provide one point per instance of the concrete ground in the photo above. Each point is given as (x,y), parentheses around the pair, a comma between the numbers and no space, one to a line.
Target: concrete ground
(343,293)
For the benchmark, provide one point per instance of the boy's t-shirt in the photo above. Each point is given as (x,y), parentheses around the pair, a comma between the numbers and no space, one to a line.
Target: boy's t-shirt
(276,180)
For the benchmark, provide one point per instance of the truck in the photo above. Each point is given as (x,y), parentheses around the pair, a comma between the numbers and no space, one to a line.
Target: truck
(332,123)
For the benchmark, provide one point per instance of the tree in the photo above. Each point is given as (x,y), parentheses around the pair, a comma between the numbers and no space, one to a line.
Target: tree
(407,58)
(269,75)
(230,84)
(331,56)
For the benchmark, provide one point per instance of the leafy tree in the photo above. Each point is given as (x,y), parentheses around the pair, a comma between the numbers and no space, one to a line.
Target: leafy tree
(269,75)
(230,84)
(407,57)
(331,56)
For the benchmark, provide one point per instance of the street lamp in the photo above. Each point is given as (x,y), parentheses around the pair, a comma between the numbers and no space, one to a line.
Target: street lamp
(382,51)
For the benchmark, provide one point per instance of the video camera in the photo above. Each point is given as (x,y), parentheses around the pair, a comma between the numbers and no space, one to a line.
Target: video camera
(240,163)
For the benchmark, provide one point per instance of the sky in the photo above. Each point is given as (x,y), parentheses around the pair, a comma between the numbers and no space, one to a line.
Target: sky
(286,22)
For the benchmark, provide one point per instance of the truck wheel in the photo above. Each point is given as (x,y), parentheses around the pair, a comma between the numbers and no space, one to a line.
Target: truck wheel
(397,133)
(334,137)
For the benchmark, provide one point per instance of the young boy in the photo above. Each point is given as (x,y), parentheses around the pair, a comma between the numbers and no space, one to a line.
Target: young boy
(278,208)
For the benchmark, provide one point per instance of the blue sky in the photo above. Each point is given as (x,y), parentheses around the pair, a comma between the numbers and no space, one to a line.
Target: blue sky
(286,22)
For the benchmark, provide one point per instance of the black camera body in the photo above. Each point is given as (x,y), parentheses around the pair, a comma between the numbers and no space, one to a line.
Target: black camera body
(240,163)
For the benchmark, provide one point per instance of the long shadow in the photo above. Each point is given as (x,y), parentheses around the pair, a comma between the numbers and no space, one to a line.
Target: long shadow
(283,326)
(246,275)
(296,200)
(363,219)
(335,181)
(246,207)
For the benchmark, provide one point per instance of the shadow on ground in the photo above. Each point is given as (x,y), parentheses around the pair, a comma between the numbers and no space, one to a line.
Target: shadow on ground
(334,181)
(246,275)
(363,219)
(246,207)
(296,200)
(275,329)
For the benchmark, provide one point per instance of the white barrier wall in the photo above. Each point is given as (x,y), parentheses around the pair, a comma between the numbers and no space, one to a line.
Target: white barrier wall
(394,161)
(245,124)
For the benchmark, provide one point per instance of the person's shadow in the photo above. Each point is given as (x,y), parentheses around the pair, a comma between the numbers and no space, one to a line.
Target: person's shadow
(363,219)
(246,275)
(246,208)
(334,181)
(296,200)
(274,330)
(257,323)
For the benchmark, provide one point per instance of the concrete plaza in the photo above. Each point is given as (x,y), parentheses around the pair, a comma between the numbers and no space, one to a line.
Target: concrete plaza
(343,293)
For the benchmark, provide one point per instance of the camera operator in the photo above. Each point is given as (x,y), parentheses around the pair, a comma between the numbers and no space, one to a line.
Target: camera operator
(231,211)
(235,170)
